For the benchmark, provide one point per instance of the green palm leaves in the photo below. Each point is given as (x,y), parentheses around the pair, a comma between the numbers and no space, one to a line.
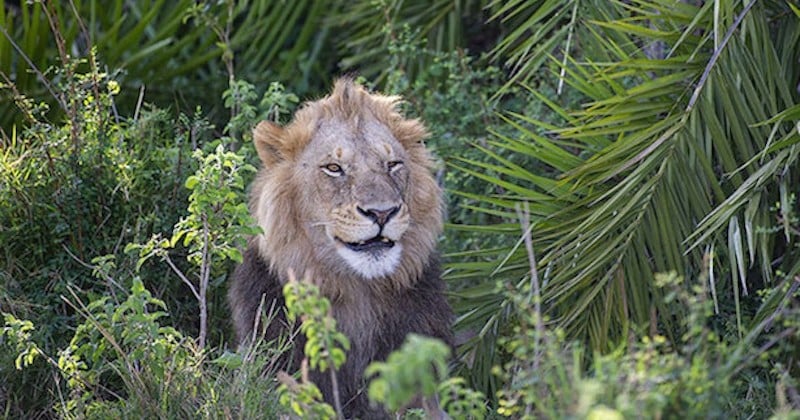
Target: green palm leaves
(674,162)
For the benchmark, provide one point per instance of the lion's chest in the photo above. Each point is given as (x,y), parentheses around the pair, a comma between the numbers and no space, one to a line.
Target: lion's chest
(360,321)
(357,320)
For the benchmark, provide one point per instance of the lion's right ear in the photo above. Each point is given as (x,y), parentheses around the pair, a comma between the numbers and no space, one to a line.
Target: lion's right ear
(267,137)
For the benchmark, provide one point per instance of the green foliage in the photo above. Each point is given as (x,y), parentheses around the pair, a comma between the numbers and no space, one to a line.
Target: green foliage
(540,28)
(277,103)
(146,39)
(647,137)
(459,401)
(418,371)
(239,98)
(79,188)
(303,399)
(163,48)
(215,228)
(123,362)
(694,377)
(218,219)
(368,28)
(18,331)
(325,346)
(324,350)
(414,369)
(122,349)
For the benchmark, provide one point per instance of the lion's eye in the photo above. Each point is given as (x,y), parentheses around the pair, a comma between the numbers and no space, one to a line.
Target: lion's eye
(333,169)
(394,165)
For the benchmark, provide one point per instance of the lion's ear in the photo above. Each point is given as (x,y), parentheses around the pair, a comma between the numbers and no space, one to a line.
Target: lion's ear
(267,137)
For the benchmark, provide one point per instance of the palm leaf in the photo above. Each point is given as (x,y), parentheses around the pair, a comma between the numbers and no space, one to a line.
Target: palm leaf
(679,160)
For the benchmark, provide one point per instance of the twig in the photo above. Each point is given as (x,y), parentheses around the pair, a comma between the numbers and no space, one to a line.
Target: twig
(716,54)
(72,102)
(18,97)
(205,274)
(138,105)
(767,323)
(789,332)
(525,225)
(337,403)
(94,267)
(92,62)
(181,276)
(84,311)
(39,74)
(257,318)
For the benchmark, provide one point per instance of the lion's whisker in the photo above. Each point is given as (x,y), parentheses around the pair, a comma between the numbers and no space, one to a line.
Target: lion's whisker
(322,223)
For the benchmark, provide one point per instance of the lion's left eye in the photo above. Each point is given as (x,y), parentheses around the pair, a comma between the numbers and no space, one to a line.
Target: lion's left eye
(333,169)
(394,165)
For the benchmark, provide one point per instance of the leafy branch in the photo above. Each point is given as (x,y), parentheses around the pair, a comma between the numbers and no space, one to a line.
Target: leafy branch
(215,228)
(325,346)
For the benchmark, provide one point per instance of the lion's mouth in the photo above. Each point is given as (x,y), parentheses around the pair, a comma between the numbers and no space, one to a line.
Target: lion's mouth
(375,244)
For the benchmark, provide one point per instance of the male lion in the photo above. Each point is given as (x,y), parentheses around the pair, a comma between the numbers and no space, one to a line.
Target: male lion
(346,198)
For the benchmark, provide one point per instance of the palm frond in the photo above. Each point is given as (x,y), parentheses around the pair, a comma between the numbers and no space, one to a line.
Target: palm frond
(683,144)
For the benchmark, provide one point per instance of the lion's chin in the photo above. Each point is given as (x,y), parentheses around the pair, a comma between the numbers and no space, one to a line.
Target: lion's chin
(372,262)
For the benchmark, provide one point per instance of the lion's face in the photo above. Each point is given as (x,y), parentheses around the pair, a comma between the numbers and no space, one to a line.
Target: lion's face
(346,189)
(358,181)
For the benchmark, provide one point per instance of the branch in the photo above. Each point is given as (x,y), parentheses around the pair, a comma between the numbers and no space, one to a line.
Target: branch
(205,273)
(94,267)
(35,69)
(525,224)
(337,403)
(181,275)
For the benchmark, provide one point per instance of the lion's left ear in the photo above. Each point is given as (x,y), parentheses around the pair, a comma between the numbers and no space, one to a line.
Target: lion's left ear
(411,133)
(268,137)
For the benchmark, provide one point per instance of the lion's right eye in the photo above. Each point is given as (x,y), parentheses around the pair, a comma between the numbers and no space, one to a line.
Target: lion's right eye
(333,169)
(394,165)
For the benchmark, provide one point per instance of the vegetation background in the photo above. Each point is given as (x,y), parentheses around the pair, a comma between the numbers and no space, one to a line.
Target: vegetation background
(622,183)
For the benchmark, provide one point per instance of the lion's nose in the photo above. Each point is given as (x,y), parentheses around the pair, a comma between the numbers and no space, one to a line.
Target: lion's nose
(380,216)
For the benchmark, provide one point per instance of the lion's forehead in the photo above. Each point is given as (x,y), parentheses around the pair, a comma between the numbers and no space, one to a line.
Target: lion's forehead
(366,139)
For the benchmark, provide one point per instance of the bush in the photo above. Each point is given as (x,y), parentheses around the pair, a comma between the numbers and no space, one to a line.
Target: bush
(698,375)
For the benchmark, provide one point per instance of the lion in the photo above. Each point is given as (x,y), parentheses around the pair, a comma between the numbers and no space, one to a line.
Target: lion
(346,197)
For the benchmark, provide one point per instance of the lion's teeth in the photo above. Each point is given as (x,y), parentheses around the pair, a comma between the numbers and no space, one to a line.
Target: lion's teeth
(385,240)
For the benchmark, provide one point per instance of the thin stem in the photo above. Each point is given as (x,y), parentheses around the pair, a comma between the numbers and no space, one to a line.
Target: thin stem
(205,273)
(182,276)
(107,278)
(525,223)
(337,403)
(39,74)
(71,102)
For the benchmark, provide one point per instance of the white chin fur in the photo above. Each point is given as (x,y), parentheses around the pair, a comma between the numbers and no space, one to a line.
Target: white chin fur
(371,265)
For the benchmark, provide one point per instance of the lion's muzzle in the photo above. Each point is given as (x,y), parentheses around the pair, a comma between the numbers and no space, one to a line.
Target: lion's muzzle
(367,236)
(379,216)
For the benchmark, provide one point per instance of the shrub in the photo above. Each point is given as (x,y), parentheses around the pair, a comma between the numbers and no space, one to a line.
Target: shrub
(698,374)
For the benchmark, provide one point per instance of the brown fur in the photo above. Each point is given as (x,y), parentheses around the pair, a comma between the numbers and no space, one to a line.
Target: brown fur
(302,206)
